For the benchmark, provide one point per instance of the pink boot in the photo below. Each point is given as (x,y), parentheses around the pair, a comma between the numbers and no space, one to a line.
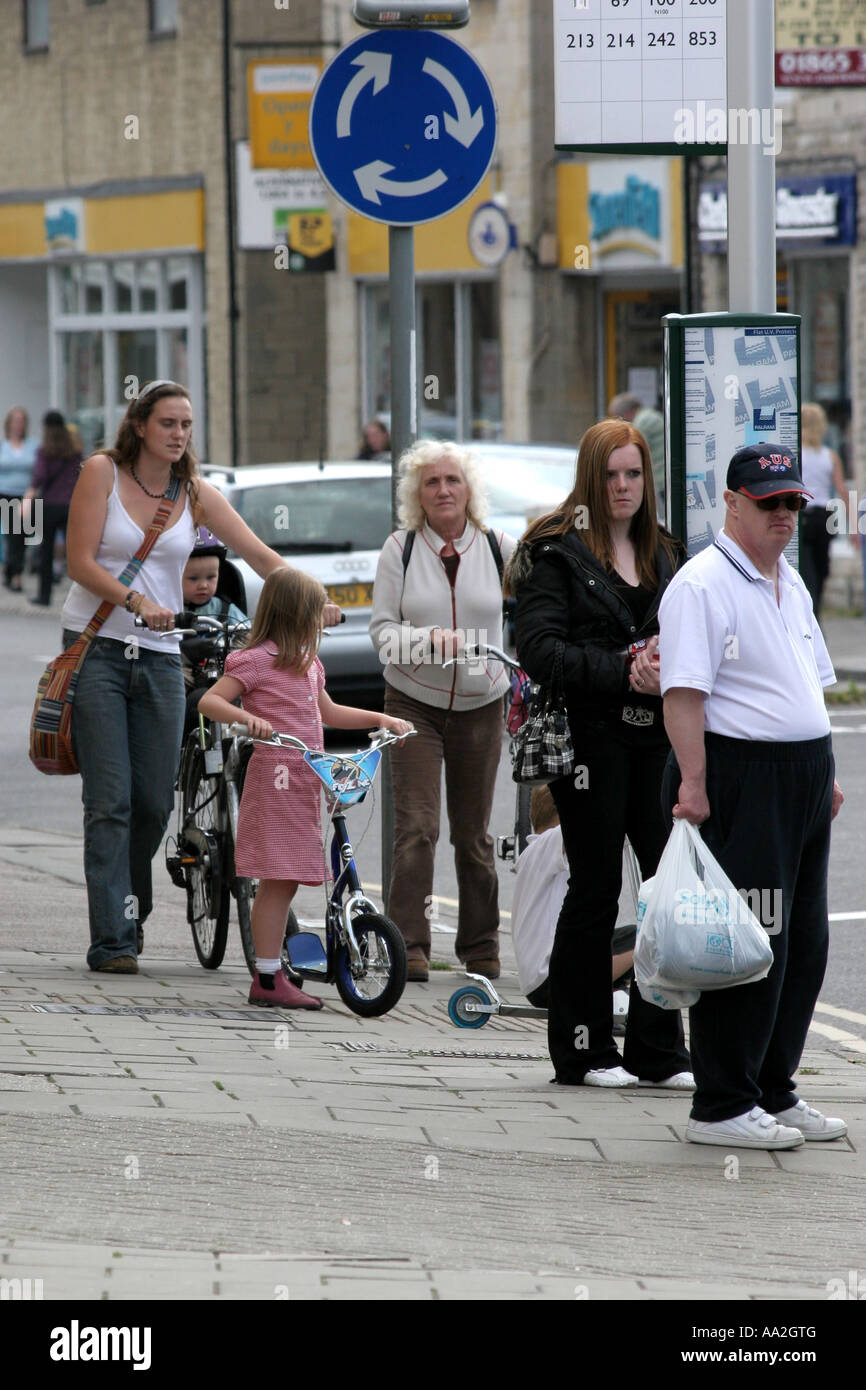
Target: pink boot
(284,995)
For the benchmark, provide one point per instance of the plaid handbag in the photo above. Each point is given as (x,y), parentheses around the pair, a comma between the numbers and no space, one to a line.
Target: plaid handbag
(51,721)
(542,749)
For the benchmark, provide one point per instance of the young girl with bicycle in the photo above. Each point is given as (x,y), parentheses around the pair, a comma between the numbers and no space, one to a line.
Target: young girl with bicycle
(281,682)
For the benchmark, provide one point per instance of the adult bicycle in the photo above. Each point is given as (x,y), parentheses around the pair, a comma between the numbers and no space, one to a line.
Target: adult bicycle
(201,857)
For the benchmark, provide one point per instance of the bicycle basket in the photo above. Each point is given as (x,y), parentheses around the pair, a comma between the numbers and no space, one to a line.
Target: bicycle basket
(346,780)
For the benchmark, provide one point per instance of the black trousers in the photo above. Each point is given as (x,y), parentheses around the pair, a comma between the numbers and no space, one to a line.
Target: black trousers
(54,518)
(13,539)
(769,828)
(815,553)
(618,795)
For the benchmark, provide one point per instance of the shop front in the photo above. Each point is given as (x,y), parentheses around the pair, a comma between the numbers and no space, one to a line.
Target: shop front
(103,290)
(457,310)
(621,221)
(816,232)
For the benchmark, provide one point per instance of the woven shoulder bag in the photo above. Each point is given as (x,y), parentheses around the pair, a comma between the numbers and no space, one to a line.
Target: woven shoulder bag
(51,722)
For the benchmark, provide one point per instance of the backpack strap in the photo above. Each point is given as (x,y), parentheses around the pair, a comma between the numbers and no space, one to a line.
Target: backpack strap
(497,555)
(491,541)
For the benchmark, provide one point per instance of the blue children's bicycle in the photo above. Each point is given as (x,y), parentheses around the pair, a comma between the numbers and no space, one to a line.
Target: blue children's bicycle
(364,953)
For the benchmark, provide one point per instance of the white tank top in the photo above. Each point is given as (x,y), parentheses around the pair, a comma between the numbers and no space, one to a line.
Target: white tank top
(159,577)
(818,474)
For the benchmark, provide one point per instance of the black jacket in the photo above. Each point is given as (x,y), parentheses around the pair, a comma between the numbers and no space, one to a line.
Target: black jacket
(564,593)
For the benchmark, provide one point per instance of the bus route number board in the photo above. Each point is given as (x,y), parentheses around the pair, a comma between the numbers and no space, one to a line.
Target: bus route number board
(639,72)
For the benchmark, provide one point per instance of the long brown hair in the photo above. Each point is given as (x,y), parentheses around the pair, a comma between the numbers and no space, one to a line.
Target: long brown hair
(289,614)
(587,504)
(128,444)
(57,442)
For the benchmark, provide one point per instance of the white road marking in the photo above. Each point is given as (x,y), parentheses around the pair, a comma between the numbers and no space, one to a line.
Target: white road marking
(847,1014)
(846,916)
(837,1035)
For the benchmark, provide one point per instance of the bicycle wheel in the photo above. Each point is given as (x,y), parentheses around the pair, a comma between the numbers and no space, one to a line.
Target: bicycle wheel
(207,895)
(244,890)
(375,987)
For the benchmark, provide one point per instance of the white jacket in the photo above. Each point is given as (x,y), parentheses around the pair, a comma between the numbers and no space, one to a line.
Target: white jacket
(405,613)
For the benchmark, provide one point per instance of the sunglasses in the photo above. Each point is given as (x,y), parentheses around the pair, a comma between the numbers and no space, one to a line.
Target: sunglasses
(794,501)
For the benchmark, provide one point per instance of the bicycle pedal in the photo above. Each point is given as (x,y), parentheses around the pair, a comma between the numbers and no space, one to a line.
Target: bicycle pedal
(176,871)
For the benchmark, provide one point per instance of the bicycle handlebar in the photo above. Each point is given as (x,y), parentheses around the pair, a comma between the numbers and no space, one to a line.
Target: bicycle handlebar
(379,738)
(188,624)
(479,653)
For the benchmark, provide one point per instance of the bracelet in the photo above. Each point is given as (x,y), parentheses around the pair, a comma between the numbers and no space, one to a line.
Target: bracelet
(133,602)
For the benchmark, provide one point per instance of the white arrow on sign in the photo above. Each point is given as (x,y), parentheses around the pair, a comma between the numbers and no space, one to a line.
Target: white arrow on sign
(374,67)
(371,181)
(466,125)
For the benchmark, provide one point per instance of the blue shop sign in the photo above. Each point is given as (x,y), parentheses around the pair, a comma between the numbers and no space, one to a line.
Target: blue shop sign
(815,210)
(638,207)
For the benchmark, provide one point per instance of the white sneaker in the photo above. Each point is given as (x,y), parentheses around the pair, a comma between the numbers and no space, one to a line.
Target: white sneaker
(680,1081)
(753,1130)
(811,1123)
(610,1076)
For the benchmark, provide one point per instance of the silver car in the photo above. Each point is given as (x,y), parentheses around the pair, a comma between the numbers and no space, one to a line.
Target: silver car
(332,519)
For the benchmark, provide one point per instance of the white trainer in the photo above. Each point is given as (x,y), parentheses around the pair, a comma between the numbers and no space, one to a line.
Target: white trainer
(680,1081)
(610,1076)
(811,1123)
(753,1130)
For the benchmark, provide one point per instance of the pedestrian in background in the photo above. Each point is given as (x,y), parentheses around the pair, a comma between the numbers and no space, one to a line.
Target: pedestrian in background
(17,457)
(375,441)
(55,473)
(822,474)
(588,579)
(439,586)
(650,422)
(743,666)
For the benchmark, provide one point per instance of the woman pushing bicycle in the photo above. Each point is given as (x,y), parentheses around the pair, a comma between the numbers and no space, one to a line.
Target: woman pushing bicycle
(282,685)
(131,528)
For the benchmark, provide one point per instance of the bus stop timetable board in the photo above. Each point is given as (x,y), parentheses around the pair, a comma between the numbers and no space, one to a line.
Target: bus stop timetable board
(632,74)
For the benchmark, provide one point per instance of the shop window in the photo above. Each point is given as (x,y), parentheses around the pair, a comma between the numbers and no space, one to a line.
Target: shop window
(37,25)
(163,17)
(94,285)
(148,286)
(458,359)
(177,272)
(82,386)
(178,355)
(123,275)
(69,288)
(136,354)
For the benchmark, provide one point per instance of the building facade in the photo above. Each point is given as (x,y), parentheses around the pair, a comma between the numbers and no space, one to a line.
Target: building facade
(127,200)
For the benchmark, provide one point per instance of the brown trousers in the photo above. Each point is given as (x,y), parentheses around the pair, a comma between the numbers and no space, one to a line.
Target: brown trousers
(470,743)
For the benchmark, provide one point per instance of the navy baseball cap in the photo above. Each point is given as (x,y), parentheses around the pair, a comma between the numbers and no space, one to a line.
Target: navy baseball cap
(764,470)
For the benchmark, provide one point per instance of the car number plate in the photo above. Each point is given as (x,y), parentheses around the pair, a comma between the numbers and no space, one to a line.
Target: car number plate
(351,595)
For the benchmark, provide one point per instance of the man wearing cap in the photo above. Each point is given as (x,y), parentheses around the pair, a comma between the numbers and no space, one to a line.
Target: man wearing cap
(742,669)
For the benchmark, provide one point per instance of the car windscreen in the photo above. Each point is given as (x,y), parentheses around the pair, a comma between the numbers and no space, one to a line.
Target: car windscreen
(320,514)
(513,485)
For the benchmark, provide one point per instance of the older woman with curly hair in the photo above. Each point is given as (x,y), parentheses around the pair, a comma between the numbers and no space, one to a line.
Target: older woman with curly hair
(439,588)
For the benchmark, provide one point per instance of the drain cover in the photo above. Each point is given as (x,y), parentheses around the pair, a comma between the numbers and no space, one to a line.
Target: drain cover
(145,1012)
(443,1052)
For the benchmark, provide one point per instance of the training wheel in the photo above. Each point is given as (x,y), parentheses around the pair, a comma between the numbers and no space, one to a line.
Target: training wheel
(458,1012)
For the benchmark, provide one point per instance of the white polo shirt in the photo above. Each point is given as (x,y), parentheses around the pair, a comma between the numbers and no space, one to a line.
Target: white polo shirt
(761,665)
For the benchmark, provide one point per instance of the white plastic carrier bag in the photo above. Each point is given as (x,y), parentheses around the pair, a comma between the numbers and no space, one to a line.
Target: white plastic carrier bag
(694,930)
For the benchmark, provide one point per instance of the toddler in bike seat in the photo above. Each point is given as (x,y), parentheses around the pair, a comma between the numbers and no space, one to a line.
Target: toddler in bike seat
(280,682)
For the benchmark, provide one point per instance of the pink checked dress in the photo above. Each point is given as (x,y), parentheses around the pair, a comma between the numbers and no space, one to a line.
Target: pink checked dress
(279,828)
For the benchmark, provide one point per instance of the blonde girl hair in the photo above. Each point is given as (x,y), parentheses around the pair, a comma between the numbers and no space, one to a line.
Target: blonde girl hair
(410,513)
(591,493)
(289,614)
(814,425)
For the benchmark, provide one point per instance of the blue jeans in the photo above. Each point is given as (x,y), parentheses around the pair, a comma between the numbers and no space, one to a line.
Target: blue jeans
(127,721)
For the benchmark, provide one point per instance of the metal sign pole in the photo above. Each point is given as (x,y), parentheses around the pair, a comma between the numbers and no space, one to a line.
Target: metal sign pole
(752,135)
(404,430)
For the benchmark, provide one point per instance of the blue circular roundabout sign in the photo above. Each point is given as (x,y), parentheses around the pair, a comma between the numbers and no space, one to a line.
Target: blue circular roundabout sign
(403,125)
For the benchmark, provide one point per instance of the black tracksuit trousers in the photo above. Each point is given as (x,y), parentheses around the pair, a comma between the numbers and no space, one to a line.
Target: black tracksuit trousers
(621,796)
(769,828)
